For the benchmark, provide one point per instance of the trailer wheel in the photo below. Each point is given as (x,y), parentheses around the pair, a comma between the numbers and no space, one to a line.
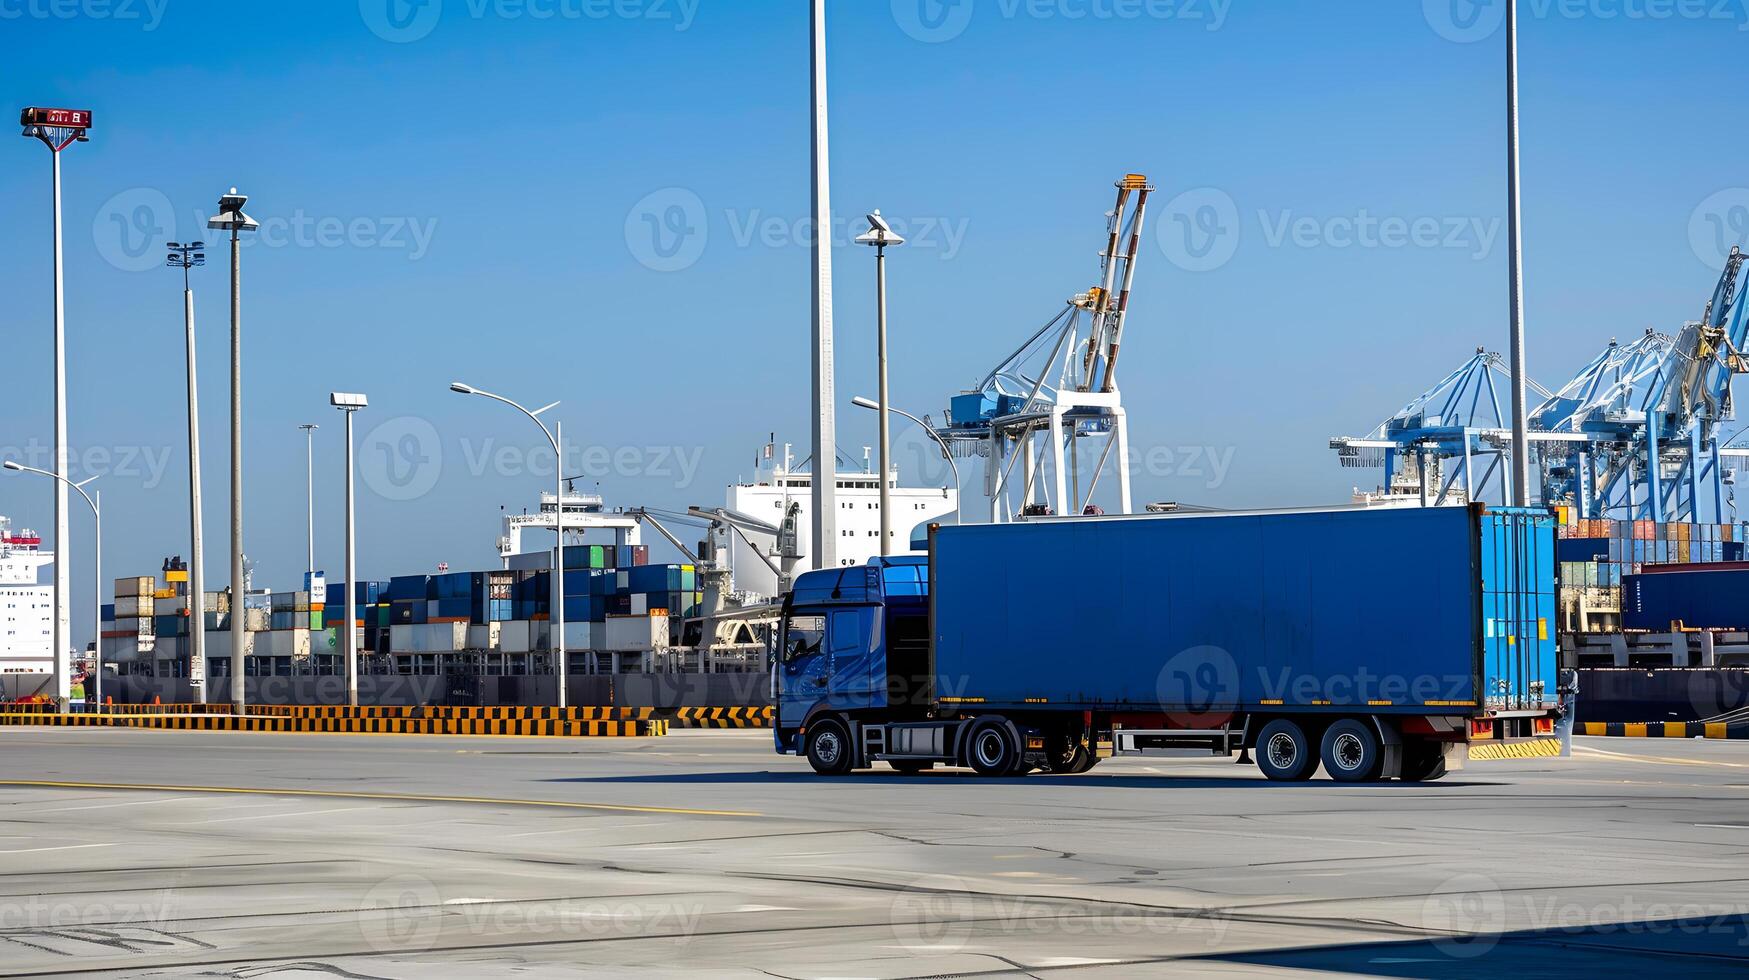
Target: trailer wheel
(1070,757)
(1285,753)
(1352,753)
(829,749)
(909,767)
(991,750)
(1423,761)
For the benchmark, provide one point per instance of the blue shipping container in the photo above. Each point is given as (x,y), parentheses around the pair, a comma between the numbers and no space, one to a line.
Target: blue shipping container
(1382,609)
(1708,599)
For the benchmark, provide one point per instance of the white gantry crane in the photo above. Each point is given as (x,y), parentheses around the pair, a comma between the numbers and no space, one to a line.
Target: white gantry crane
(1059,390)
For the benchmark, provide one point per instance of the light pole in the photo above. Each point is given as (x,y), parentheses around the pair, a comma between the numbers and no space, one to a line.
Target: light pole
(880,235)
(231,218)
(185,257)
(97,566)
(861,402)
(554,436)
(59,129)
(1515,264)
(350,404)
(310,490)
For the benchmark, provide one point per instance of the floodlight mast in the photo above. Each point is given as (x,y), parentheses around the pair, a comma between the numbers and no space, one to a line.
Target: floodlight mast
(58,129)
(186,256)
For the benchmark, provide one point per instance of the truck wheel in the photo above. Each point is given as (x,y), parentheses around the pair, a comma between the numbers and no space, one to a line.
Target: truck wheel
(991,750)
(1070,757)
(829,750)
(909,767)
(1423,761)
(1352,753)
(1284,753)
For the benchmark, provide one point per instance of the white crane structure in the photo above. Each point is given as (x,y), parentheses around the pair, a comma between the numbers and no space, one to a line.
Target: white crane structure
(1059,390)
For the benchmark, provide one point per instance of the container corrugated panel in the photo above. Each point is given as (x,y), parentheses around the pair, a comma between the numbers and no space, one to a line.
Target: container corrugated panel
(1196,613)
(1712,599)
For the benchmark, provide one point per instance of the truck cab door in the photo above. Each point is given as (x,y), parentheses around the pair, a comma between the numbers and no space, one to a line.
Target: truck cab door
(804,668)
(857,669)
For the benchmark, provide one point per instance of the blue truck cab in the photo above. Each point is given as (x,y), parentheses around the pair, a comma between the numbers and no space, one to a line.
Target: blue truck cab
(854,640)
(1370,643)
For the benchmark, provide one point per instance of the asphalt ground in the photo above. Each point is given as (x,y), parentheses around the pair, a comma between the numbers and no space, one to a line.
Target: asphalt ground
(181,854)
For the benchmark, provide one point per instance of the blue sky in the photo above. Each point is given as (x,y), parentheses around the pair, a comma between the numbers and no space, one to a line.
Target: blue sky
(465,189)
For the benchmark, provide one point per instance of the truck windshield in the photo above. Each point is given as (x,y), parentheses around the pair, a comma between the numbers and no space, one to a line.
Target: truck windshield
(802,635)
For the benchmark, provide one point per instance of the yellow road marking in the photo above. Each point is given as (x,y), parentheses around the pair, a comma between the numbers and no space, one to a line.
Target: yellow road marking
(403,797)
(1659,758)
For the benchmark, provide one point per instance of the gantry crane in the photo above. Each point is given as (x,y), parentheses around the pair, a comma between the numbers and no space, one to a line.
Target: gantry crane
(1636,434)
(1059,389)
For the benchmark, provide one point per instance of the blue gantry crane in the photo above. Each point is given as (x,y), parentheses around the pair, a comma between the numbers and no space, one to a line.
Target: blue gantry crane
(1638,433)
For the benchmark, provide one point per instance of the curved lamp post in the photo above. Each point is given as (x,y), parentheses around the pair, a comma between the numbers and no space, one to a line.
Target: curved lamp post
(97,597)
(554,435)
(861,402)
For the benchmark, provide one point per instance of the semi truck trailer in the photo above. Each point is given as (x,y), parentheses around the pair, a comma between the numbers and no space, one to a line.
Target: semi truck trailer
(1373,643)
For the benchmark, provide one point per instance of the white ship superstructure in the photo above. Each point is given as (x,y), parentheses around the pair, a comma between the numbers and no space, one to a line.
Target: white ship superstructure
(778,485)
(27,609)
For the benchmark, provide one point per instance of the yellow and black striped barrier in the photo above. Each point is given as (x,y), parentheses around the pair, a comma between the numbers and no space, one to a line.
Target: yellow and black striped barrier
(1664,729)
(1536,748)
(217,708)
(332,725)
(477,713)
(722,717)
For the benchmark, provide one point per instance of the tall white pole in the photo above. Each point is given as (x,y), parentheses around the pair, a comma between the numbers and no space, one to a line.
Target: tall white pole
(561,665)
(825,481)
(886,441)
(97,600)
(239,591)
(196,563)
(351,577)
(63,632)
(310,494)
(1515,233)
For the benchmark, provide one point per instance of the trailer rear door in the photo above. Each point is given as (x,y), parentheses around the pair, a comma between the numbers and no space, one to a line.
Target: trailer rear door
(1517,565)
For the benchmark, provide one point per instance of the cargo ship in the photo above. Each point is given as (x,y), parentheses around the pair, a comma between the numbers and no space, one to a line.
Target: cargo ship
(27,644)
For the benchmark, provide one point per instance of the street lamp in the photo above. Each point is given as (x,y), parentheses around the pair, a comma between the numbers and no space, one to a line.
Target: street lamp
(880,235)
(350,404)
(58,129)
(310,492)
(185,257)
(861,402)
(554,436)
(232,219)
(97,578)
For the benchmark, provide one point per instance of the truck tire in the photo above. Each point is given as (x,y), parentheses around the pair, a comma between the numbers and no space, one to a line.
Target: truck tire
(1352,751)
(1285,753)
(1071,758)
(1423,761)
(909,767)
(991,750)
(829,748)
